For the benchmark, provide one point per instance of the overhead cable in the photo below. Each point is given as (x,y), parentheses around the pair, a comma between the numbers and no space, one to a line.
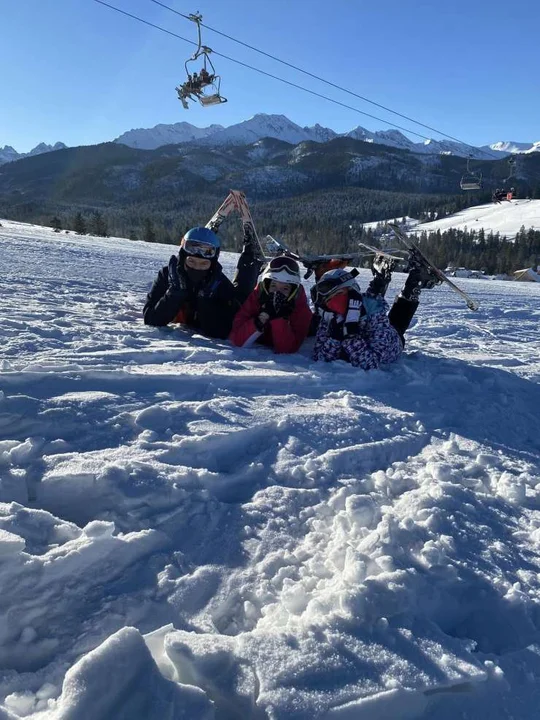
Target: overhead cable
(330,83)
(276,77)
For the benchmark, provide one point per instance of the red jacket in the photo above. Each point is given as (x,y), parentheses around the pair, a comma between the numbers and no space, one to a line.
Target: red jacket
(285,336)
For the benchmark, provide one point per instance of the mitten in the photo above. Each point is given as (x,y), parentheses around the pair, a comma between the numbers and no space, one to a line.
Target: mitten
(177,278)
(276,305)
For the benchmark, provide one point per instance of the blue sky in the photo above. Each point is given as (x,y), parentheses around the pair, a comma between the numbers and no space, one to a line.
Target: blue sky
(75,71)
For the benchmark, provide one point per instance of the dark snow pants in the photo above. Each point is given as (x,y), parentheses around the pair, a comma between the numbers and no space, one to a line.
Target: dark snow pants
(401,314)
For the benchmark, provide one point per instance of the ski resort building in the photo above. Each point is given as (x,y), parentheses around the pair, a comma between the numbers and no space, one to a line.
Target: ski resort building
(527,275)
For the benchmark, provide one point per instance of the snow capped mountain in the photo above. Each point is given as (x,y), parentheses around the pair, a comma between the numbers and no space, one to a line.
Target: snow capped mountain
(263,125)
(243,133)
(274,126)
(510,146)
(360,133)
(280,127)
(181,132)
(9,154)
(44,148)
(395,138)
(318,133)
(447,147)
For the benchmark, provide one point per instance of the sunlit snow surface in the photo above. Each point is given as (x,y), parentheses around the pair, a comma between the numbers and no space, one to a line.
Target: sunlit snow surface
(189,530)
(506,218)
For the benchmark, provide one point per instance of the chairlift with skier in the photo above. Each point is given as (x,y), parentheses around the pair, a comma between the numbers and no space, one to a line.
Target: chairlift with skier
(203,85)
(502,193)
(471,180)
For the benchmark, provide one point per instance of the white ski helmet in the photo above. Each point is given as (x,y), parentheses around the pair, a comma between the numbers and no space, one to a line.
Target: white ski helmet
(282,269)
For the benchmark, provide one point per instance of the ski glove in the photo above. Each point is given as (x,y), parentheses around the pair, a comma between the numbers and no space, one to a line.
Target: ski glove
(177,278)
(355,310)
(276,305)
(336,330)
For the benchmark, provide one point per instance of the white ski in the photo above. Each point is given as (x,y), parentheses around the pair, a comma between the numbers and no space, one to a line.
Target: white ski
(223,211)
(413,248)
(250,234)
(378,251)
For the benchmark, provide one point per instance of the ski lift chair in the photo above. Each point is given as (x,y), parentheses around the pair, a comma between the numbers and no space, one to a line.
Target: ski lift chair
(196,83)
(214,98)
(471,182)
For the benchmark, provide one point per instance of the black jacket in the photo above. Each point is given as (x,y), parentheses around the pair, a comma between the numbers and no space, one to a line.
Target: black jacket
(210,308)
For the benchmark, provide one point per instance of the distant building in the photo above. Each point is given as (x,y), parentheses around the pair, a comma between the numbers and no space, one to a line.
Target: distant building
(527,275)
(502,276)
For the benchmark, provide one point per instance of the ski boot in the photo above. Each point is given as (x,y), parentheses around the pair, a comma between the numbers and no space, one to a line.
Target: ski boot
(381,267)
(421,276)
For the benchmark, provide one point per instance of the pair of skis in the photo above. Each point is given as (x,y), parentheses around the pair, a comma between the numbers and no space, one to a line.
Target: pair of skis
(236,200)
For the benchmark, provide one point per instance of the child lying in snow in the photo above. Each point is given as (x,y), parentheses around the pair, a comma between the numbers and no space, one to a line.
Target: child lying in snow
(355,326)
(276,313)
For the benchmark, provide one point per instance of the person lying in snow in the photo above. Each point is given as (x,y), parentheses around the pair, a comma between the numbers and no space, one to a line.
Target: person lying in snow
(193,290)
(277,312)
(356,326)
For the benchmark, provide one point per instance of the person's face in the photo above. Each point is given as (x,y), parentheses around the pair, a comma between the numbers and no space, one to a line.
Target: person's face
(280,287)
(197,263)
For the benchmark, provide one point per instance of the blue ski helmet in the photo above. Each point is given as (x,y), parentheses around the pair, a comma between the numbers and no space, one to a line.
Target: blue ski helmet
(201,242)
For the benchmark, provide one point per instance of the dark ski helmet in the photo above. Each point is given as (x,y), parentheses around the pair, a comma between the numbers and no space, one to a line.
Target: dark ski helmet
(201,242)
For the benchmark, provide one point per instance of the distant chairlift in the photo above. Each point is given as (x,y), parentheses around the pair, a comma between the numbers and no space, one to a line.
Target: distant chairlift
(471,180)
(511,169)
(204,85)
(501,194)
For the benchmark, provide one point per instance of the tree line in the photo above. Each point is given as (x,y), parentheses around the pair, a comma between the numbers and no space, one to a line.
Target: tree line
(481,250)
(329,221)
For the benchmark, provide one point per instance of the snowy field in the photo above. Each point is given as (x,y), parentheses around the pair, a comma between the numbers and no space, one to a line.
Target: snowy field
(506,218)
(191,531)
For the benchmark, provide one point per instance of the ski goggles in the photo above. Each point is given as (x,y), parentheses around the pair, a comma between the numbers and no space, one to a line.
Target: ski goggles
(199,249)
(283,264)
(326,288)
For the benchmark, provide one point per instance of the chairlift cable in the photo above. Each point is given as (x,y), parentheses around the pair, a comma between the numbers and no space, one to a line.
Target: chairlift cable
(286,82)
(263,72)
(332,84)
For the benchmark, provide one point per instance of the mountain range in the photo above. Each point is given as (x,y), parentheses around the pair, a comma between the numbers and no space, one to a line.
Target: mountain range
(114,173)
(9,154)
(281,128)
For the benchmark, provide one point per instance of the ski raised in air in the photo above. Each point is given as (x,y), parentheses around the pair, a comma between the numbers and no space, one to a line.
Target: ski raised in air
(415,250)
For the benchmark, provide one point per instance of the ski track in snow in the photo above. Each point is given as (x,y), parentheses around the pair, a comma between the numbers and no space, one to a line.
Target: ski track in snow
(190,530)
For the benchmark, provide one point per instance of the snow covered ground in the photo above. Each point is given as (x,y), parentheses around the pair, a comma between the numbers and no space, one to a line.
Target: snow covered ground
(506,218)
(194,531)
